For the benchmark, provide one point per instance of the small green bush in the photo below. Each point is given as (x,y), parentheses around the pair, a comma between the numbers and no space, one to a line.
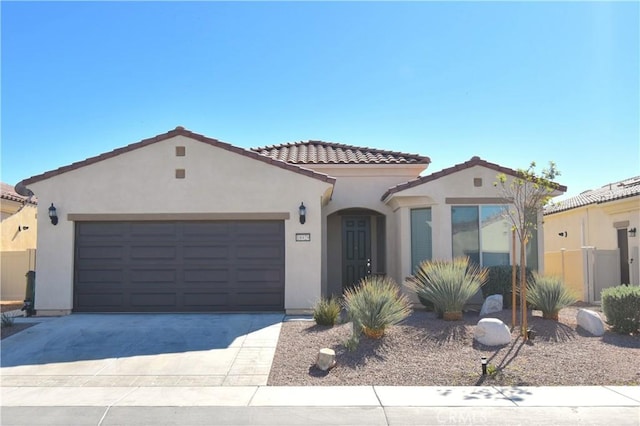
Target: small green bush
(499,282)
(621,306)
(375,304)
(327,311)
(6,320)
(549,294)
(447,284)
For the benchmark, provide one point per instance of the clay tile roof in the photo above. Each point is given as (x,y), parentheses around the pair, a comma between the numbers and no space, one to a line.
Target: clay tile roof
(609,192)
(474,161)
(8,192)
(179,131)
(318,152)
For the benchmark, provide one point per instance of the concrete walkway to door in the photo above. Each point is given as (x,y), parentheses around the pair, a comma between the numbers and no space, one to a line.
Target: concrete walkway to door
(143,350)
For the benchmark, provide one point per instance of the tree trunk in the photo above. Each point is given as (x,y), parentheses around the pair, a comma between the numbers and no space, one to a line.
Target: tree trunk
(523,287)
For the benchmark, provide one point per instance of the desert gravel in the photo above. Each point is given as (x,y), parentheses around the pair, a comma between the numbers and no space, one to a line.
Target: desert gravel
(426,351)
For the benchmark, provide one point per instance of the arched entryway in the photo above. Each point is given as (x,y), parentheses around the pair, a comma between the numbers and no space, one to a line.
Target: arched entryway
(356,247)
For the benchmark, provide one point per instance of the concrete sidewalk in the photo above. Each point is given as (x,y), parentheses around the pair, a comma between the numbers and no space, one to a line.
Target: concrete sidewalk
(348,405)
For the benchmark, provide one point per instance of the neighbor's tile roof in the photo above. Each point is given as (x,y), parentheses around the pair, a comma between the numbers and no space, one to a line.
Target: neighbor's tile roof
(474,161)
(318,152)
(180,131)
(8,192)
(609,192)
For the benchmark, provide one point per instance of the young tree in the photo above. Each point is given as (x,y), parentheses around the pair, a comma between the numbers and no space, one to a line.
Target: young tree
(527,193)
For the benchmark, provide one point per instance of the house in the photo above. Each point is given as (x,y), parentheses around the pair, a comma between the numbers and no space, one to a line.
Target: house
(18,241)
(592,239)
(184,222)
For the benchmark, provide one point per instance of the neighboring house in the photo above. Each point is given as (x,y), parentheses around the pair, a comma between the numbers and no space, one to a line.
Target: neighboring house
(592,239)
(18,241)
(183,222)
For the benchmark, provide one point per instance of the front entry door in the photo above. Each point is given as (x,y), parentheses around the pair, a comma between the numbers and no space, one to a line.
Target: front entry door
(356,249)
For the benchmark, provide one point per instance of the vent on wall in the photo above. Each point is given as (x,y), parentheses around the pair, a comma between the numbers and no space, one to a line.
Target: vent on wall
(477,182)
(180,173)
(181,151)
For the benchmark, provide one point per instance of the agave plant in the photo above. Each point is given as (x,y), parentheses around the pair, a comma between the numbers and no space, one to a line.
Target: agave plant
(447,284)
(375,304)
(549,294)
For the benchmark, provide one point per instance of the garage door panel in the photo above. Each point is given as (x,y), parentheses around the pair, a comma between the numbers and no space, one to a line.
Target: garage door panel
(206,276)
(102,301)
(153,300)
(179,266)
(159,253)
(151,277)
(100,276)
(204,252)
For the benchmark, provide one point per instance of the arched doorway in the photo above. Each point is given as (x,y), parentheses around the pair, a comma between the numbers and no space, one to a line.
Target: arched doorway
(356,247)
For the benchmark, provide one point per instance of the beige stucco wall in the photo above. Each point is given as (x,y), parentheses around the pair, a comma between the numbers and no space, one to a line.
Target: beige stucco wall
(434,194)
(14,239)
(143,181)
(596,226)
(360,187)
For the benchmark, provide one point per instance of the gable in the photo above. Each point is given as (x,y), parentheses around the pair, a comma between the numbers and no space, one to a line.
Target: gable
(178,131)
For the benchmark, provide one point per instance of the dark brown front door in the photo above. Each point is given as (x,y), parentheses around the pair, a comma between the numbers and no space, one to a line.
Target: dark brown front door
(623,245)
(179,266)
(356,249)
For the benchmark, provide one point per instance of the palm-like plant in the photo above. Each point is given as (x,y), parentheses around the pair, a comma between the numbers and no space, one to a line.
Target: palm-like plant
(375,304)
(549,294)
(448,284)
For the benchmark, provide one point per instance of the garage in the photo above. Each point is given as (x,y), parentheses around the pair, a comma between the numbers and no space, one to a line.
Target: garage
(179,266)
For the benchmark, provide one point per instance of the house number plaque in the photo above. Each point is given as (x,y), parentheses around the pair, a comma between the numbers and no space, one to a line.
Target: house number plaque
(303,237)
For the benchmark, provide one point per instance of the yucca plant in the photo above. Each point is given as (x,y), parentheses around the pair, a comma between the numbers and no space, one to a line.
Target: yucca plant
(375,304)
(327,311)
(549,294)
(448,284)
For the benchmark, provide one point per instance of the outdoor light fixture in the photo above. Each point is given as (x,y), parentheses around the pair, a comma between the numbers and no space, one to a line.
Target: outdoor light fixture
(483,360)
(53,215)
(632,232)
(563,234)
(303,213)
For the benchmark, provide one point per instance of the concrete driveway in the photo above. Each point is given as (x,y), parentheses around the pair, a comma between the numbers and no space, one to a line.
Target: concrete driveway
(142,350)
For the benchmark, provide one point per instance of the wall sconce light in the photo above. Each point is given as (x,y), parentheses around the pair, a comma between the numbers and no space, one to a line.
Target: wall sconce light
(483,362)
(632,232)
(53,215)
(303,213)
(563,234)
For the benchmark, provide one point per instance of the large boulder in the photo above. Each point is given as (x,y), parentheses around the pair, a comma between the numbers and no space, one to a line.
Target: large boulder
(590,321)
(492,304)
(492,332)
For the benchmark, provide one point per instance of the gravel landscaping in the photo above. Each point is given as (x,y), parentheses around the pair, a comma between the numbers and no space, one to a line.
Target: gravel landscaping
(426,351)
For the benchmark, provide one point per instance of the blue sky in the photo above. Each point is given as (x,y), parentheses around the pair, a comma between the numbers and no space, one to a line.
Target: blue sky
(510,82)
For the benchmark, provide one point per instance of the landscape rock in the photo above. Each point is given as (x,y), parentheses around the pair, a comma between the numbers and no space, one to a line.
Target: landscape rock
(492,332)
(491,305)
(326,359)
(590,321)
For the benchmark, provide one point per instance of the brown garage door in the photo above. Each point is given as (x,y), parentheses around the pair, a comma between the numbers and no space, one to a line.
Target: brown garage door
(179,266)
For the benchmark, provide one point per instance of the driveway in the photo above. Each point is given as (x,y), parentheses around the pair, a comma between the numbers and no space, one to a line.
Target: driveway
(143,350)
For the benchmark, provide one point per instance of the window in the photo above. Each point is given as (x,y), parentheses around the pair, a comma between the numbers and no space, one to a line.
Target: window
(482,233)
(421,244)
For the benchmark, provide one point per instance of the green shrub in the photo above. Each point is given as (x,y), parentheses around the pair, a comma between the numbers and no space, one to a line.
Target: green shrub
(6,320)
(327,311)
(549,294)
(621,306)
(499,282)
(375,304)
(447,284)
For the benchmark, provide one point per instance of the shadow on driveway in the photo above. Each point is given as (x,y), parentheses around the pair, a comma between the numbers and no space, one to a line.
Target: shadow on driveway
(80,337)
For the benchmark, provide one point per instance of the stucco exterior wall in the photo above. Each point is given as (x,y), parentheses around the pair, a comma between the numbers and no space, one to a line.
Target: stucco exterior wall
(360,187)
(458,188)
(13,239)
(596,225)
(144,181)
